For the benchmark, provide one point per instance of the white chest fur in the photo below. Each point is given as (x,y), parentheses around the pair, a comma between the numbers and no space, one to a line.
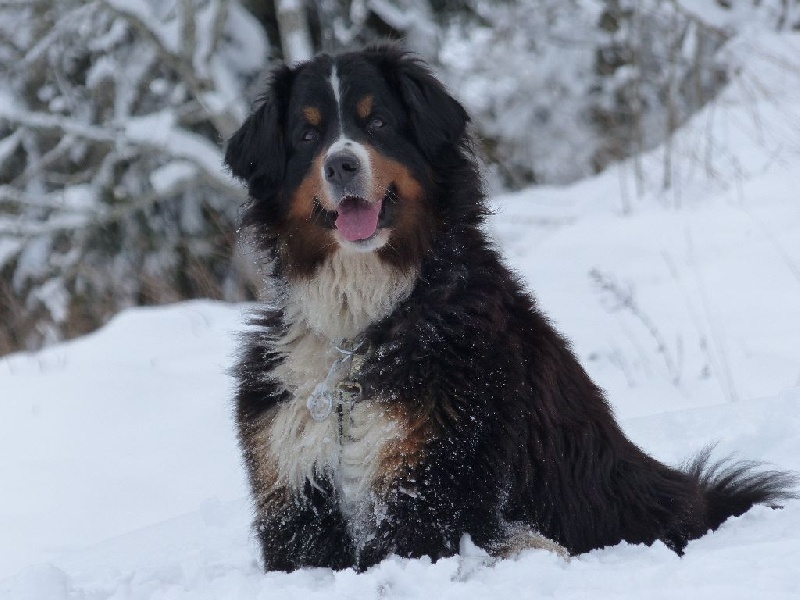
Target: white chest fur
(346,447)
(348,293)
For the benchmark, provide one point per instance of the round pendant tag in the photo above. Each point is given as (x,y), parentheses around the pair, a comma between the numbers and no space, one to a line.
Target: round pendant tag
(320,403)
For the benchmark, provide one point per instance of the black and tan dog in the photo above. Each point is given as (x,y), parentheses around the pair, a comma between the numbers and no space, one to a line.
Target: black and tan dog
(400,388)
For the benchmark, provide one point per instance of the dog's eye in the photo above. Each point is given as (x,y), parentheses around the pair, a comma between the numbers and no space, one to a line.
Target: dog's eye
(375,123)
(309,135)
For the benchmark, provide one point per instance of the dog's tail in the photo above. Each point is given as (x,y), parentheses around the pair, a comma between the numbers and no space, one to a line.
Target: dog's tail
(731,488)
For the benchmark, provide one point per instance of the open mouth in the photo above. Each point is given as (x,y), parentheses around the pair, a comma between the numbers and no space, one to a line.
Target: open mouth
(355,218)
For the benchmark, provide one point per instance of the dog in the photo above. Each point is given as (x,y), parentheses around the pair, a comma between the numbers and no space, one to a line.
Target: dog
(399,388)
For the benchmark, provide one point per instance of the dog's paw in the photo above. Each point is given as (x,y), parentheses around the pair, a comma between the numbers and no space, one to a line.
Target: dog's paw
(521,537)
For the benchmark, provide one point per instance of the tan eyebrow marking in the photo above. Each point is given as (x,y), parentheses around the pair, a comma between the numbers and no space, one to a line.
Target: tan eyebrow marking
(364,107)
(313,115)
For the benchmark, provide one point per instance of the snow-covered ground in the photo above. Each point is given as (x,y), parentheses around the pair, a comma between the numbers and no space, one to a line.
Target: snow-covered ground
(119,473)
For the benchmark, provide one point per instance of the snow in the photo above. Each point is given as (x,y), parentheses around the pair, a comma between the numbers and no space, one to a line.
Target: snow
(78,198)
(8,248)
(116,431)
(158,131)
(167,32)
(32,261)
(118,462)
(739,15)
(247,49)
(295,39)
(8,145)
(55,298)
(7,102)
(170,176)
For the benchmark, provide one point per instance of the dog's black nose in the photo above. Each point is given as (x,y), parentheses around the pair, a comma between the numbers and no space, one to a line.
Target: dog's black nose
(340,168)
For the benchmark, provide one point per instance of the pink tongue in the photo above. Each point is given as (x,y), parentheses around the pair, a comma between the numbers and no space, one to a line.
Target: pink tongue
(357,219)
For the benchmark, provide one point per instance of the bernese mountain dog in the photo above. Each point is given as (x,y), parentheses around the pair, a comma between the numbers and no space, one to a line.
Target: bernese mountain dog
(399,388)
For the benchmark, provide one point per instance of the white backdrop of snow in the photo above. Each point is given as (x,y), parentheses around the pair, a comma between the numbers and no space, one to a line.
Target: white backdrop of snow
(118,463)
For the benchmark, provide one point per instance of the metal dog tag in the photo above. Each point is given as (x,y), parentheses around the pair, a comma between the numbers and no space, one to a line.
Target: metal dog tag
(320,402)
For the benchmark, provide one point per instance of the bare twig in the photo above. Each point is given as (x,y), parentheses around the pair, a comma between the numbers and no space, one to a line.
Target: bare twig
(63,146)
(188,17)
(624,300)
(724,368)
(692,16)
(220,19)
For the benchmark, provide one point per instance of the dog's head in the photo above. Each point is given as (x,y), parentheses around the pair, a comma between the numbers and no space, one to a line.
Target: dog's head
(345,154)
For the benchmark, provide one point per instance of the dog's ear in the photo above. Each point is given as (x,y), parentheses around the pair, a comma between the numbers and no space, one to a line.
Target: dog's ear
(438,121)
(256,152)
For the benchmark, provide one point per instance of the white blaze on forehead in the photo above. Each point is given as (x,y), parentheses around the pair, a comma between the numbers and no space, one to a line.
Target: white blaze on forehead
(344,143)
(336,86)
(362,184)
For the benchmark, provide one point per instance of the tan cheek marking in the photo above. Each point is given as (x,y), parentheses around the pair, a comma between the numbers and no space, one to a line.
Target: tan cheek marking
(364,107)
(302,203)
(312,115)
(386,171)
(305,243)
(413,229)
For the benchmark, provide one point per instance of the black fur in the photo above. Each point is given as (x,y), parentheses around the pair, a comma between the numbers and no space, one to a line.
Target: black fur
(256,151)
(516,431)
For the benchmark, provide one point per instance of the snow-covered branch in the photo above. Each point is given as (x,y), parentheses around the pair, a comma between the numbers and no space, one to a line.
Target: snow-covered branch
(701,15)
(56,123)
(71,218)
(182,56)
(295,37)
(16,199)
(153,133)
(112,182)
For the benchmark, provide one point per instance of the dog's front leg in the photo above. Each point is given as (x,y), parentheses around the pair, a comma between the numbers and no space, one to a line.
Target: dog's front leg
(304,528)
(427,508)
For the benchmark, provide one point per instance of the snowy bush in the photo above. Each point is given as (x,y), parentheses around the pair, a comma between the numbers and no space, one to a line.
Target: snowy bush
(112,190)
(562,89)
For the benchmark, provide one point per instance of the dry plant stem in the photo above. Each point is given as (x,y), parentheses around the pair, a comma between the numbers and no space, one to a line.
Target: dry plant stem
(726,377)
(625,300)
